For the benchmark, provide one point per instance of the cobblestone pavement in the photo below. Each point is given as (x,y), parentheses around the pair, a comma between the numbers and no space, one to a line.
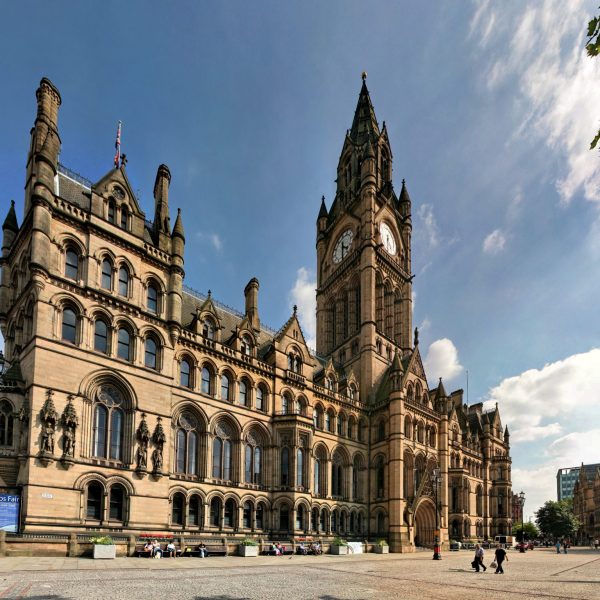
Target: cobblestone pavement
(540,574)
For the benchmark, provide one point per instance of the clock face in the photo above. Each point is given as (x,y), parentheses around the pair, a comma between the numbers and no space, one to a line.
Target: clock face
(342,247)
(387,238)
(118,193)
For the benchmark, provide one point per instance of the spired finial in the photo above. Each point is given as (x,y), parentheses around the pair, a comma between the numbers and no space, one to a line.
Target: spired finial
(295,308)
(416,336)
(12,202)
(364,75)
(322,199)
(209,293)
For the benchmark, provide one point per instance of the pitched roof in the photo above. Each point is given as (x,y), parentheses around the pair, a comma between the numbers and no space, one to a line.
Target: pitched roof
(365,121)
(11,222)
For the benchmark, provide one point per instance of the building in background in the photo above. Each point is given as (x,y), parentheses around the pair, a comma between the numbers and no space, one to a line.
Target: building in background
(586,503)
(132,403)
(567,477)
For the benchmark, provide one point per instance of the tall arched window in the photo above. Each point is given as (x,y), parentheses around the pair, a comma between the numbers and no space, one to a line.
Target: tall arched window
(95,496)
(124,344)
(285,466)
(69,325)
(300,517)
(112,213)
(340,425)
(351,427)
(226,391)
(328,424)
(315,519)
(6,424)
(247,516)
(208,329)
(243,393)
(356,469)
(124,282)
(117,503)
(228,513)
(222,453)
(107,270)
(186,444)
(380,477)
(317,478)
(185,370)
(284,518)
(108,426)
(151,352)
(246,345)
(300,467)
(152,298)
(215,512)
(206,381)
(260,398)
(194,511)
(259,518)
(285,404)
(177,509)
(72,264)
(124,219)
(253,460)
(101,336)
(381,431)
(337,476)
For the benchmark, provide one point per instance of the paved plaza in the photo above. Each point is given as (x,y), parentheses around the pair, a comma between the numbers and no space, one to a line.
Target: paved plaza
(537,574)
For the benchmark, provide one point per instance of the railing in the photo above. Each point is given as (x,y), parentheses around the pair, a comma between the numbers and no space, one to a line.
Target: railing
(295,377)
(74,176)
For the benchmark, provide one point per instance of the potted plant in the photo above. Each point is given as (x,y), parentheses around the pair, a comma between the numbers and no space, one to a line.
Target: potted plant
(338,546)
(381,547)
(104,547)
(248,547)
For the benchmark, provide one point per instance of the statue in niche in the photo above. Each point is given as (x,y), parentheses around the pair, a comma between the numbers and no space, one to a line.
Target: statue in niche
(69,422)
(159,438)
(24,420)
(143,435)
(48,417)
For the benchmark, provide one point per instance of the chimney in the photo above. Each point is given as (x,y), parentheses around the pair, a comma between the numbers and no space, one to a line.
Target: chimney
(251,294)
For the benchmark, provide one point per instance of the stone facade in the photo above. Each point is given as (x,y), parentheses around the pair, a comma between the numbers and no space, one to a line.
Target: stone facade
(586,503)
(131,403)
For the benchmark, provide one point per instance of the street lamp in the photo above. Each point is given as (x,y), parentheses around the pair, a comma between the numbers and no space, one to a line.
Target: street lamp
(522,503)
(435,480)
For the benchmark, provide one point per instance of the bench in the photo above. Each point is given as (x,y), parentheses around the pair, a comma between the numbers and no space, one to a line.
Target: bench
(141,553)
(267,551)
(211,550)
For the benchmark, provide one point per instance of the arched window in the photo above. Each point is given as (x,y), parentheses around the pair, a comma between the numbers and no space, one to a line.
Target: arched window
(243,393)
(381,431)
(101,336)
(323,520)
(247,516)
(226,391)
(124,217)
(107,435)
(177,509)
(194,511)
(124,344)
(117,503)
(208,329)
(222,453)
(152,298)
(228,514)
(285,404)
(328,424)
(186,444)
(351,426)
(380,477)
(260,516)
(107,271)
(6,424)
(284,518)
(72,264)
(351,392)
(123,282)
(69,325)
(340,425)
(315,519)
(337,476)
(362,427)
(246,345)
(112,218)
(317,477)
(300,517)
(356,469)
(207,379)
(95,496)
(318,417)
(260,398)
(334,521)
(151,352)
(300,467)
(185,370)
(253,460)
(381,523)
(215,512)
(285,466)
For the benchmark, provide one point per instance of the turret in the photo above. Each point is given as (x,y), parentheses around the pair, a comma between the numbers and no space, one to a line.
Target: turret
(506,436)
(322,218)
(10,229)
(251,294)
(175,293)
(162,225)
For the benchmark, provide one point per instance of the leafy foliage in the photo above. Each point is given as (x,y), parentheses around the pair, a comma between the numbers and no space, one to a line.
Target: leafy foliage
(530,530)
(556,519)
(248,542)
(337,541)
(593,49)
(102,540)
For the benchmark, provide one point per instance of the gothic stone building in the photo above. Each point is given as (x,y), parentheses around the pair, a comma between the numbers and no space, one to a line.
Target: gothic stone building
(129,403)
(586,503)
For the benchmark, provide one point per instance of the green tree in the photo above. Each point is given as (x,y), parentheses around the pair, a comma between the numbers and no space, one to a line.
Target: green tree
(531,531)
(593,49)
(556,519)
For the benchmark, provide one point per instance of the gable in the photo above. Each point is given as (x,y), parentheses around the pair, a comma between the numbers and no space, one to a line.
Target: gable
(115,184)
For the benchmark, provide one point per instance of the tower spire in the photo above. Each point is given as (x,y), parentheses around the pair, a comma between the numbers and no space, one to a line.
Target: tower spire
(364,123)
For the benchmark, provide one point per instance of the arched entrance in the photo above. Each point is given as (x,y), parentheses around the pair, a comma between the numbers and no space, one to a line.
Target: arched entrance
(425,523)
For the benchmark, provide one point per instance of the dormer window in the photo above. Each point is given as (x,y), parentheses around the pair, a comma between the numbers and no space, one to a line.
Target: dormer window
(246,346)
(208,329)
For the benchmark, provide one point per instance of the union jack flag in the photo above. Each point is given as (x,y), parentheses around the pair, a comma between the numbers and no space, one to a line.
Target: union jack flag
(118,146)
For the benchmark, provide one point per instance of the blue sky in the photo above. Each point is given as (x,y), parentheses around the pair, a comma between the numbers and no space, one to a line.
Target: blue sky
(490,107)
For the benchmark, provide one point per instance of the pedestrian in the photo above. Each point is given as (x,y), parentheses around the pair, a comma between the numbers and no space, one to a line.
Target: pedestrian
(557,546)
(478,560)
(500,555)
(596,544)
(565,546)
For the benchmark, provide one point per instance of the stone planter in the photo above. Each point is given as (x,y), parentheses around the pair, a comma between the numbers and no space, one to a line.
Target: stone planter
(338,550)
(247,550)
(105,551)
(382,549)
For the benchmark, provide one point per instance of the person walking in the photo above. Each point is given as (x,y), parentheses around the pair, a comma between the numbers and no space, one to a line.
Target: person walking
(500,555)
(478,560)
(565,546)
(557,545)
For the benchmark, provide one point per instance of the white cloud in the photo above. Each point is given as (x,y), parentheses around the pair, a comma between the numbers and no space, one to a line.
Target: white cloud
(556,82)
(442,361)
(212,238)
(429,225)
(534,433)
(494,243)
(303,295)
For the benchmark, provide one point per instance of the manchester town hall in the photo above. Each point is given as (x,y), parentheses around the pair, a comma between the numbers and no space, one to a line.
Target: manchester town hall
(130,403)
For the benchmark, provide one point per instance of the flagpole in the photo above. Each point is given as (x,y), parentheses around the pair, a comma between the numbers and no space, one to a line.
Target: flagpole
(117,158)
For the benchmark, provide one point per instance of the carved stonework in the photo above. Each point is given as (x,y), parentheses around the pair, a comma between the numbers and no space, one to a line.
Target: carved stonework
(69,421)
(24,421)
(48,418)
(143,436)
(159,438)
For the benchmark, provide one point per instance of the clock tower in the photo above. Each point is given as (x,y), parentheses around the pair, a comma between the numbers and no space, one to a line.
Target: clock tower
(364,305)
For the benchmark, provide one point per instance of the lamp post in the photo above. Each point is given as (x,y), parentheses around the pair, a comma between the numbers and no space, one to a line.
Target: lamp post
(522,503)
(435,480)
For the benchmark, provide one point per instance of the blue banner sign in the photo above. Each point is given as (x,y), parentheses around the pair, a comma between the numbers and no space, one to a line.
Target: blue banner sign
(9,512)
